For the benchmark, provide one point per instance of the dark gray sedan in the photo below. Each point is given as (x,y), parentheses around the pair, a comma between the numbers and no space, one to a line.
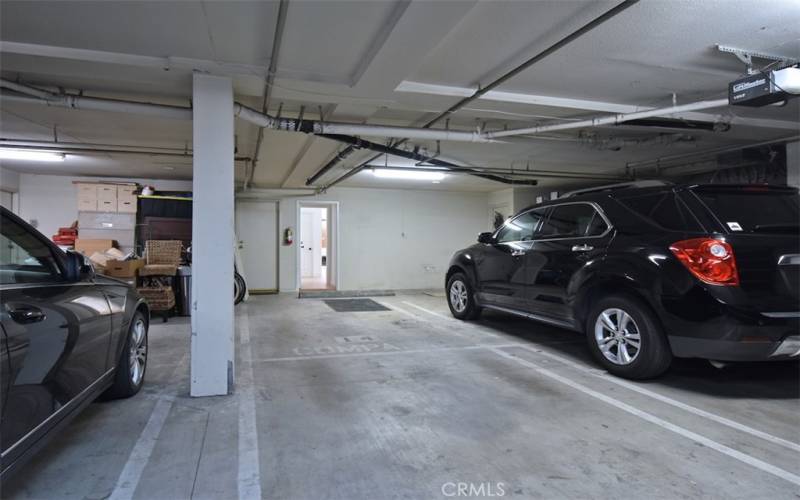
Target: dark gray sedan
(68,337)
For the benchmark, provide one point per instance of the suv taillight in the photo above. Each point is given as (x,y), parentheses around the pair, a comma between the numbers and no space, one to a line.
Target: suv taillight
(710,260)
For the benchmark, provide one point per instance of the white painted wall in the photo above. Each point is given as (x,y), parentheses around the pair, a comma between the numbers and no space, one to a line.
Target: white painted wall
(501,201)
(391,239)
(9,189)
(793,164)
(52,200)
(9,180)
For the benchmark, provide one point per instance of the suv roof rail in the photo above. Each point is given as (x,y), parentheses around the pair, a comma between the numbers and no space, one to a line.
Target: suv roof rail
(614,187)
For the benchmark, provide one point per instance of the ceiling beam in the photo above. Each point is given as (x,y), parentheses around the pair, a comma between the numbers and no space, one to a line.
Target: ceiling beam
(515,97)
(280,23)
(419,29)
(375,46)
(166,63)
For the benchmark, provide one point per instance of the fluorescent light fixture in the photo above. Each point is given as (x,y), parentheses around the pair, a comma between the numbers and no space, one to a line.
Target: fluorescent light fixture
(409,175)
(30,155)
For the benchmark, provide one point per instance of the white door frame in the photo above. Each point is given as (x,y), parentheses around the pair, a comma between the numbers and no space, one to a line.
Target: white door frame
(333,241)
(14,200)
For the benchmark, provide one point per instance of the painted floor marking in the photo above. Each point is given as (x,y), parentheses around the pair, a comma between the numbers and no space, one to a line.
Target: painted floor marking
(249,469)
(418,317)
(659,397)
(672,402)
(131,474)
(481,328)
(386,353)
(725,450)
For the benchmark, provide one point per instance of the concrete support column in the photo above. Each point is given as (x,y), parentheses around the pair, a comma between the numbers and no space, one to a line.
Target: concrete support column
(212,236)
(793,164)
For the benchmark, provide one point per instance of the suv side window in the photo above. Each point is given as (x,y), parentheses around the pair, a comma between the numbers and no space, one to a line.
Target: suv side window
(23,257)
(574,220)
(520,228)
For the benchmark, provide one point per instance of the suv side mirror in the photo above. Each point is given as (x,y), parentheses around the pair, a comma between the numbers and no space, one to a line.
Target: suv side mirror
(79,268)
(485,238)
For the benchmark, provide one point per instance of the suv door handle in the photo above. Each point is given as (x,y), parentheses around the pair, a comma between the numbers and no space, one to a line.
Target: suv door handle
(517,253)
(582,248)
(25,314)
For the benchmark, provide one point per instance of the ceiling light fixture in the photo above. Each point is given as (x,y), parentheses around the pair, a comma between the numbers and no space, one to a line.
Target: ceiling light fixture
(409,175)
(30,155)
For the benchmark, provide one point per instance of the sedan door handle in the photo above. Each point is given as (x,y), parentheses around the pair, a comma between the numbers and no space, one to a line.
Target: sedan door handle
(582,248)
(25,314)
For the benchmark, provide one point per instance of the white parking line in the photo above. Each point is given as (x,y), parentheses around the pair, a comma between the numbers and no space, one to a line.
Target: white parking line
(434,313)
(726,450)
(249,469)
(418,317)
(672,402)
(451,319)
(386,353)
(131,473)
(664,399)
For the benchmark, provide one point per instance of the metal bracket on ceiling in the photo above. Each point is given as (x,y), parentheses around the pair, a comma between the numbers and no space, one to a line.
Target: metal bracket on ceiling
(746,56)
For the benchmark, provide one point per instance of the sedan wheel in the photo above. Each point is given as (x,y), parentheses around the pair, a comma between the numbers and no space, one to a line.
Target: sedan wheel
(617,336)
(132,364)
(138,351)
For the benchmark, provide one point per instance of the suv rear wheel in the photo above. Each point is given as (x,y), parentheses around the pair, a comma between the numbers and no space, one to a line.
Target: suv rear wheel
(625,337)
(461,298)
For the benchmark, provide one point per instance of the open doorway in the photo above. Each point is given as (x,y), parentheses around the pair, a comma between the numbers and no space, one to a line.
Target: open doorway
(316,247)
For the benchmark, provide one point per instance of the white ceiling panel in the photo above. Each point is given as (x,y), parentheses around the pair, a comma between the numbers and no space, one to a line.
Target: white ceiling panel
(349,57)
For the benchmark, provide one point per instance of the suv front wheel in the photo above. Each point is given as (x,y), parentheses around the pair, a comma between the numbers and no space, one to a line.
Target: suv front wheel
(625,337)
(461,298)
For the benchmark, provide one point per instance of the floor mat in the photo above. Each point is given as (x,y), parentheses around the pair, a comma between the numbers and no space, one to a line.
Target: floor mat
(355,305)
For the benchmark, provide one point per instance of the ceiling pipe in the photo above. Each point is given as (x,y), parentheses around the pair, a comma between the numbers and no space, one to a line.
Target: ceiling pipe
(283,7)
(610,120)
(537,173)
(499,81)
(709,152)
(24,89)
(75,147)
(100,104)
(390,150)
(319,127)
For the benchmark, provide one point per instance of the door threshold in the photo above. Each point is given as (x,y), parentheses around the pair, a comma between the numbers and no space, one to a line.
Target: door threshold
(317,294)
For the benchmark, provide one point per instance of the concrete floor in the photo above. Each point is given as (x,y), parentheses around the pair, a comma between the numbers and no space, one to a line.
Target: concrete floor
(407,403)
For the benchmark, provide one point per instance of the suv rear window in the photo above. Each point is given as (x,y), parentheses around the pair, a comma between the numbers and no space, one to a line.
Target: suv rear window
(663,209)
(753,210)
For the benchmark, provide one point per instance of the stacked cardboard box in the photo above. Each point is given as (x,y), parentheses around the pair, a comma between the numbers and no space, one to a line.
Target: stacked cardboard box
(99,197)
(126,200)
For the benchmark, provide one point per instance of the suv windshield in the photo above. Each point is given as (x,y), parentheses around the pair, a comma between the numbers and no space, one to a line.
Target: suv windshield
(753,209)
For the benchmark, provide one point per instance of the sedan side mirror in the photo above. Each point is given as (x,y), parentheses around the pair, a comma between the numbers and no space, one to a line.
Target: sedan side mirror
(78,267)
(485,238)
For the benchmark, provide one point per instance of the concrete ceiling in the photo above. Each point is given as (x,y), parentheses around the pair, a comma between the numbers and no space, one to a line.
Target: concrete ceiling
(391,62)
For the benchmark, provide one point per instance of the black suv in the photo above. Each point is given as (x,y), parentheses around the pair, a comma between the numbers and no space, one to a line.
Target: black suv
(648,273)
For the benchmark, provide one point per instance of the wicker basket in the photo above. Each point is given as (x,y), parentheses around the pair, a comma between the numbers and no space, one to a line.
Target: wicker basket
(159,299)
(164,252)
